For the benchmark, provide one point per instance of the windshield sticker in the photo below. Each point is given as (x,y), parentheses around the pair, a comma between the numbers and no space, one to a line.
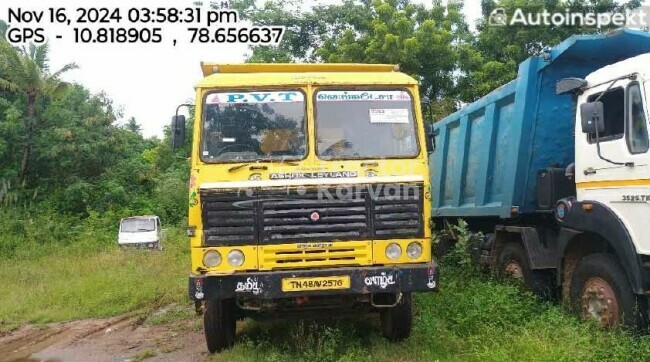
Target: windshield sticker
(254,97)
(363,96)
(395,115)
(324,174)
(227,139)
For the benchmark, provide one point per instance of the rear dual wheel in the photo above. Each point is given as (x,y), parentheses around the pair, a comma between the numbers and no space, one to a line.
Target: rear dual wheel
(599,291)
(513,263)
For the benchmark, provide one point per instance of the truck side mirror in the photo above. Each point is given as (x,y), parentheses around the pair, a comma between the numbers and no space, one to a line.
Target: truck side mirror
(425,106)
(593,117)
(431,139)
(178,131)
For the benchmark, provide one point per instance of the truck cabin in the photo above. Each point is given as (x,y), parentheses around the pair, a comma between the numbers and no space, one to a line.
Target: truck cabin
(308,191)
(612,106)
(140,231)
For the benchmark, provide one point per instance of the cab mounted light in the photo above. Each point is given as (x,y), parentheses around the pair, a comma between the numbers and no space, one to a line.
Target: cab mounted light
(569,85)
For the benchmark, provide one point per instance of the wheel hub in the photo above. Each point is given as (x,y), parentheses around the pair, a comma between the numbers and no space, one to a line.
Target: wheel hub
(514,269)
(599,302)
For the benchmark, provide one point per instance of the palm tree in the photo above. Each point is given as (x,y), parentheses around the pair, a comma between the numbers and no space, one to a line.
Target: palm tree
(25,71)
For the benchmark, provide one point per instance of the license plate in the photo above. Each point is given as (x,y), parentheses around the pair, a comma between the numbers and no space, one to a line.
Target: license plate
(317,283)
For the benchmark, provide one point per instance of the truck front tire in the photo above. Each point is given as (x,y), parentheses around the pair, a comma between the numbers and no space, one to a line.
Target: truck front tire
(219,324)
(396,322)
(600,291)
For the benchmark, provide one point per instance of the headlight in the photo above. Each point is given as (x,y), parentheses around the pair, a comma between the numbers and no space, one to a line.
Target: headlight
(235,258)
(211,258)
(414,250)
(393,251)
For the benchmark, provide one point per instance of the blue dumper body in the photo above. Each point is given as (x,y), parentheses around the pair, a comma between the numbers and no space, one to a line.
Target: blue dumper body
(488,153)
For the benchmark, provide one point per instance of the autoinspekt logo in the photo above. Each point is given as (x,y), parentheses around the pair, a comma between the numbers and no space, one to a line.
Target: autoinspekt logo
(637,18)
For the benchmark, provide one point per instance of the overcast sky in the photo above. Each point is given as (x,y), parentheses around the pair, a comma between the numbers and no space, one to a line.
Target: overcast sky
(146,81)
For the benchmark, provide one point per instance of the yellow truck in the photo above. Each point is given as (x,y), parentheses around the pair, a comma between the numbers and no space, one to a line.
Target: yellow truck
(309,195)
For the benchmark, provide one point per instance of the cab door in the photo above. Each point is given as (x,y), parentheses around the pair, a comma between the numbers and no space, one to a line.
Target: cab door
(620,176)
(158,230)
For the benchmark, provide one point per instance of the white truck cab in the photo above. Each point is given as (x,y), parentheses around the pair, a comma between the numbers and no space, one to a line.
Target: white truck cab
(141,231)
(618,175)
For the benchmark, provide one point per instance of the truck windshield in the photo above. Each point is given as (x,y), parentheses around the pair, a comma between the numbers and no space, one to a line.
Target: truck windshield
(137,225)
(364,124)
(250,126)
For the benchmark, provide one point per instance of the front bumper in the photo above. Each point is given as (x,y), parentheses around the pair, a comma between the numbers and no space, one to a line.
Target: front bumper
(363,280)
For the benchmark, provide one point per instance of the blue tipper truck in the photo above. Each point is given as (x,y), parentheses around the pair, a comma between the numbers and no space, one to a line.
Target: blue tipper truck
(553,171)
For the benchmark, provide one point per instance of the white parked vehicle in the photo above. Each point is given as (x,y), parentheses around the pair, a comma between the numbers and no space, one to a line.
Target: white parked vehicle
(141,231)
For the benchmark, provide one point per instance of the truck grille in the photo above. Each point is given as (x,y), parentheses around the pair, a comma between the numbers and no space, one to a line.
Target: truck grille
(398,217)
(280,216)
(287,256)
(229,218)
(287,217)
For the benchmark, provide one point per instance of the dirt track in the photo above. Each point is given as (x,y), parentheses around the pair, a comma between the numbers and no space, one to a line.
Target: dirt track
(98,340)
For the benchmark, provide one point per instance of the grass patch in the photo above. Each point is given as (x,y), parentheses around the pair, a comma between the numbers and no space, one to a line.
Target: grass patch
(471,319)
(60,284)
(170,314)
(143,355)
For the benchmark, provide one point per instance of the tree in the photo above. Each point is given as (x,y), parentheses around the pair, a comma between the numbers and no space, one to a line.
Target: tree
(422,41)
(491,58)
(133,126)
(26,71)
(80,162)
(453,65)
(3,29)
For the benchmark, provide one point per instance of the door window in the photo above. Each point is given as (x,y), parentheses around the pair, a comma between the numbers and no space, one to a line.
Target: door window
(637,126)
(614,108)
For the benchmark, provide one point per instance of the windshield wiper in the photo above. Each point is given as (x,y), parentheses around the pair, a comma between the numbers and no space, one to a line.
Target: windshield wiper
(283,162)
(235,168)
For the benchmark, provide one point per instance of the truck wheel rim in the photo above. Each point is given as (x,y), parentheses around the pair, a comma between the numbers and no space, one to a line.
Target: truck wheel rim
(513,268)
(599,302)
